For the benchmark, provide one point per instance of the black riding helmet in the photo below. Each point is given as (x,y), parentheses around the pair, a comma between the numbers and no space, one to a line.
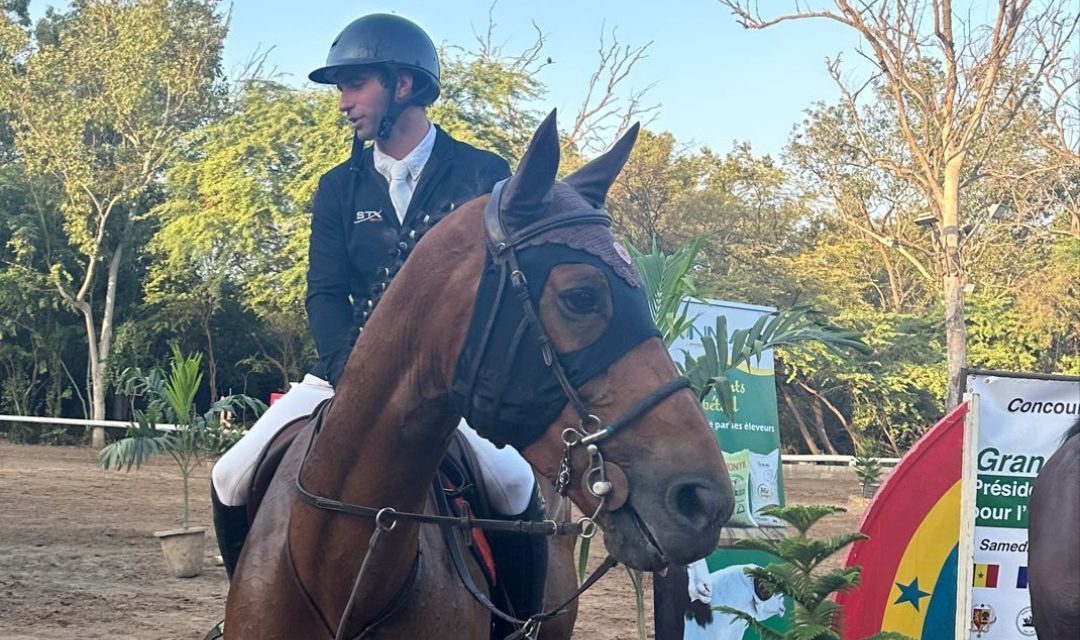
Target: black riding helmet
(390,42)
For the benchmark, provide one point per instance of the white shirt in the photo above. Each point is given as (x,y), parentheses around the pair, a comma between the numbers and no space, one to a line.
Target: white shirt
(414,162)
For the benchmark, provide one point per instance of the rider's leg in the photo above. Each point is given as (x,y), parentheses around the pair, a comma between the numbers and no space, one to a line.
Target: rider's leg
(507,476)
(232,474)
(521,561)
(231,527)
(513,493)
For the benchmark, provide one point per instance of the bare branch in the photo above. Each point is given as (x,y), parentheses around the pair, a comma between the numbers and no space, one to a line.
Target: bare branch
(751,19)
(603,114)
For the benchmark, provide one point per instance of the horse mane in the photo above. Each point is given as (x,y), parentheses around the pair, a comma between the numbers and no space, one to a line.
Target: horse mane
(1073,430)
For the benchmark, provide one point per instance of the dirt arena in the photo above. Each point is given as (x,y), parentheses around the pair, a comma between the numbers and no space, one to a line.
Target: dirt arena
(78,559)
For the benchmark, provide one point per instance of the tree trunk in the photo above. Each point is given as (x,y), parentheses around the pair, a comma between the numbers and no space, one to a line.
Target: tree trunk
(97,412)
(819,426)
(99,363)
(955,338)
(211,363)
(953,280)
(803,431)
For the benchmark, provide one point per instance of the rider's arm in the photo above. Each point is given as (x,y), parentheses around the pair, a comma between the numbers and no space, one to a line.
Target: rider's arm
(328,306)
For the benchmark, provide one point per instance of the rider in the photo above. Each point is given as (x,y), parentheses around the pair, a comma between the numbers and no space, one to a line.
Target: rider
(367,213)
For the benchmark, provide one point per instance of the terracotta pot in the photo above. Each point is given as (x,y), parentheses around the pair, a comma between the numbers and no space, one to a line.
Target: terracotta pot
(183,549)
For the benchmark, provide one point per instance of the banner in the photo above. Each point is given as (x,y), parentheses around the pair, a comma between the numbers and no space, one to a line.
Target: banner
(909,561)
(751,444)
(1021,421)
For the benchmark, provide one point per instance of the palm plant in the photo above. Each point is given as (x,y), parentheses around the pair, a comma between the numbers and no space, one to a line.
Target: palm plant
(170,399)
(670,287)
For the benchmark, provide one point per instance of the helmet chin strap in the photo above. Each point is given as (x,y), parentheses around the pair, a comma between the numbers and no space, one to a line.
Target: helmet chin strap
(393,108)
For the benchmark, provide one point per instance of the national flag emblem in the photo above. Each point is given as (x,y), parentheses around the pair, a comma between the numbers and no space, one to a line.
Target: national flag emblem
(985,575)
(1021,578)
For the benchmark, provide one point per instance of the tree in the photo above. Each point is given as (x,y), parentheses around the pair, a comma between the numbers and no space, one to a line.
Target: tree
(100,107)
(943,77)
(236,217)
(487,90)
(646,197)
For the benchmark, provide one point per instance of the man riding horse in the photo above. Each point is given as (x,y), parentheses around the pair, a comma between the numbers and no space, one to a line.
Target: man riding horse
(367,213)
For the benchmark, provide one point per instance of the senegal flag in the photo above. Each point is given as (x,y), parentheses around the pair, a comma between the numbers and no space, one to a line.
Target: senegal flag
(985,575)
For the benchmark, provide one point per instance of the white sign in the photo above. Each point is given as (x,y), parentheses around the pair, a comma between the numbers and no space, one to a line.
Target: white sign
(1021,421)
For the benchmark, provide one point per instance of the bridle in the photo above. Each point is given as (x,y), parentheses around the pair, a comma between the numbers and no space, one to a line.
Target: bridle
(587,434)
(590,430)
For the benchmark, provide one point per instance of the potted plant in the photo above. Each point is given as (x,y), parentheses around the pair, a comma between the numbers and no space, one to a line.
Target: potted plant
(868,470)
(191,439)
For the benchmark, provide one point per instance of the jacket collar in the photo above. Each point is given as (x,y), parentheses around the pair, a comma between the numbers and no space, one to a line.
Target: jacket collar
(362,157)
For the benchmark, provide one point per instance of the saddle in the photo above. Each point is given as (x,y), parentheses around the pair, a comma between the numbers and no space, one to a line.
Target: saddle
(459,479)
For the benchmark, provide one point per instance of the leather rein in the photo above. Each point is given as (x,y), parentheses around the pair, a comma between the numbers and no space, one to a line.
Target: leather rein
(587,434)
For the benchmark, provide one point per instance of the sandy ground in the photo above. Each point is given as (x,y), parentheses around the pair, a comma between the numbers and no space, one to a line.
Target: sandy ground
(78,559)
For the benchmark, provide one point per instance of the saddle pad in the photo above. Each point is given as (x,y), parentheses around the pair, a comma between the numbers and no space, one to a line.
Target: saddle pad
(268,463)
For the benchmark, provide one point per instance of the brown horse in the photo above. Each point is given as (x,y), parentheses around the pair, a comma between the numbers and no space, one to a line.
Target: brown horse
(542,331)
(1054,549)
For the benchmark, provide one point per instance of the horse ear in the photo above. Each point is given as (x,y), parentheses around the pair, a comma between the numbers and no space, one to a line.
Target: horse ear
(594,179)
(526,193)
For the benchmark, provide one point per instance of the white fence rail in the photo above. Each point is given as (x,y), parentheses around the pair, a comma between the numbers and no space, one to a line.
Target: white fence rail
(119,424)
(76,422)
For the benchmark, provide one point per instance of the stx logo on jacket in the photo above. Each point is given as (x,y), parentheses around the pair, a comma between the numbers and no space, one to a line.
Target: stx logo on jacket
(368,216)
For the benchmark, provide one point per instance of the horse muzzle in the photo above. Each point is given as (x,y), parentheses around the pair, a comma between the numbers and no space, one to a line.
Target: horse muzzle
(668,523)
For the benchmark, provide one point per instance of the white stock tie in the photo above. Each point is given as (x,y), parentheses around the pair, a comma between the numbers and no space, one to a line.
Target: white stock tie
(400,192)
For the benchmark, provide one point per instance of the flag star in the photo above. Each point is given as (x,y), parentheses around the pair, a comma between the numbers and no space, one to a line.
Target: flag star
(911,594)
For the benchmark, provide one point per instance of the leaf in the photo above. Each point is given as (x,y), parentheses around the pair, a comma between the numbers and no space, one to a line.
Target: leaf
(583,559)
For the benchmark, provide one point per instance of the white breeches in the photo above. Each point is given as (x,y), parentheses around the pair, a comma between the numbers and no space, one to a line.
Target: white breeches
(508,478)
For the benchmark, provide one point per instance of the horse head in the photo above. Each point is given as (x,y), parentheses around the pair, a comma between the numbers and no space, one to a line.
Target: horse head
(561,359)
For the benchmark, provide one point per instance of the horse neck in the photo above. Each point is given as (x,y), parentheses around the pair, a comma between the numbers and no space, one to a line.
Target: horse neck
(382,439)
(388,425)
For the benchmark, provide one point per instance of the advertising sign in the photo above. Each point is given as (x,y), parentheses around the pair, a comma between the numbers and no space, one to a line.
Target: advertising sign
(751,445)
(1020,424)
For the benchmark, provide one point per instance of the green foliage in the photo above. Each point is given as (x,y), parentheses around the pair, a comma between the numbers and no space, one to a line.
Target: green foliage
(799,575)
(791,328)
(670,286)
(170,398)
(98,100)
(892,395)
(483,99)
(118,136)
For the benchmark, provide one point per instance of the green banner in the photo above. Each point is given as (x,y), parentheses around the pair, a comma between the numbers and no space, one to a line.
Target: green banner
(751,445)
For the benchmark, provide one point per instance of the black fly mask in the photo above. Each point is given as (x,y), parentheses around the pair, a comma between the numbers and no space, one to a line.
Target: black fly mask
(510,383)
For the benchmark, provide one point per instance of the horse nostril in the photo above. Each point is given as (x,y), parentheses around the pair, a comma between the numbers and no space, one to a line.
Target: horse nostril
(695,502)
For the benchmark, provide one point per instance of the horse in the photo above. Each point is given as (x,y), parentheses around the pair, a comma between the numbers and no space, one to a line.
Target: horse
(1053,548)
(519,312)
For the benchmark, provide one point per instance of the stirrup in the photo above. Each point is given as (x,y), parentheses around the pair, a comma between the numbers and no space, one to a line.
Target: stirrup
(215,633)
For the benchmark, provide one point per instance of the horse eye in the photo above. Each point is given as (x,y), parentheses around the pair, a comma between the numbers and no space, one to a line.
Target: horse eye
(580,301)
